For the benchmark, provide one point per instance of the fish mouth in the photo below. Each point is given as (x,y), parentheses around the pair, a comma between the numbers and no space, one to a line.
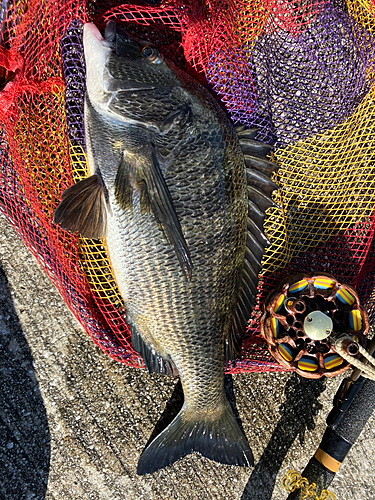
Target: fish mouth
(96,52)
(90,29)
(93,38)
(91,35)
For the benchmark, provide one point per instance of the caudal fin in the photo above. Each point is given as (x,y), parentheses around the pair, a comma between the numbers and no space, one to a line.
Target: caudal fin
(220,440)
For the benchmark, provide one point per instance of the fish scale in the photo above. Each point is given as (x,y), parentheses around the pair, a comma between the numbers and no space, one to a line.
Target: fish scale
(154,300)
(184,315)
(169,190)
(148,244)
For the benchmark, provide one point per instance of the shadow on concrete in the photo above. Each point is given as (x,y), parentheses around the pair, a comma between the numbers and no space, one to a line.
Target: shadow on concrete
(24,434)
(298,412)
(173,406)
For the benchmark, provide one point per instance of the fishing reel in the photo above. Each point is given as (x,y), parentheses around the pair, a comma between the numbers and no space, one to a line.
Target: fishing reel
(305,321)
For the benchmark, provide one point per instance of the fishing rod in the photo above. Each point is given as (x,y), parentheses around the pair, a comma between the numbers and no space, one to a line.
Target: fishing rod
(354,403)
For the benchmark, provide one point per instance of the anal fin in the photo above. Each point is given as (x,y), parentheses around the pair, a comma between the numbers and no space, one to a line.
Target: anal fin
(147,178)
(83,208)
(153,361)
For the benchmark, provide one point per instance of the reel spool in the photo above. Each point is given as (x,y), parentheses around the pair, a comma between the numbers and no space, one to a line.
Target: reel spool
(303,319)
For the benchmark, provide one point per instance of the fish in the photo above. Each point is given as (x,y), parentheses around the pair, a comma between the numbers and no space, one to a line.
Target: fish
(180,196)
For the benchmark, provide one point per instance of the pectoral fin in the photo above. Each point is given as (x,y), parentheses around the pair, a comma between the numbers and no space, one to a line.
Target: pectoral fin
(83,209)
(147,178)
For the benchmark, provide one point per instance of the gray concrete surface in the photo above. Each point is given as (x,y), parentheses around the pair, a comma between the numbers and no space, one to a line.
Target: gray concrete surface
(73,423)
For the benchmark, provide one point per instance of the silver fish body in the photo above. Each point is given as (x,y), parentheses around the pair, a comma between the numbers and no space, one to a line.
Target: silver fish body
(169,173)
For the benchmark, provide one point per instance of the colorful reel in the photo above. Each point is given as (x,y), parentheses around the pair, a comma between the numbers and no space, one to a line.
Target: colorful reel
(304,317)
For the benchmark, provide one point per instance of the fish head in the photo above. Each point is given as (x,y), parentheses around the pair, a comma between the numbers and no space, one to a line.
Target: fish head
(118,63)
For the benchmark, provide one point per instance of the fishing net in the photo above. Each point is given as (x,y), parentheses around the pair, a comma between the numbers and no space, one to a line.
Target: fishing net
(301,71)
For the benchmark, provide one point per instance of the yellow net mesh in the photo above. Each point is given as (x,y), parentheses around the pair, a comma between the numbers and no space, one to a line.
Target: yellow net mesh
(326,188)
(301,72)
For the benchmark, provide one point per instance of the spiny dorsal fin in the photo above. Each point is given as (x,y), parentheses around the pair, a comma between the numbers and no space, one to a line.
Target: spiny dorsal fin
(260,181)
(260,198)
(83,208)
(257,232)
(147,178)
(248,133)
(255,152)
(255,148)
(266,167)
(256,264)
(256,247)
(259,188)
(255,214)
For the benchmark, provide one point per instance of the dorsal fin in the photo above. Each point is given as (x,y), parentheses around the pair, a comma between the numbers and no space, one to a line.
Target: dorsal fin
(260,181)
(255,148)
(266,167)
(244,132)
(255,214)
(83,208)
(260,188)
(260,198)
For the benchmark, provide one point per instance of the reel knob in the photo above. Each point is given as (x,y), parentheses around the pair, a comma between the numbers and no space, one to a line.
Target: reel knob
(317,325)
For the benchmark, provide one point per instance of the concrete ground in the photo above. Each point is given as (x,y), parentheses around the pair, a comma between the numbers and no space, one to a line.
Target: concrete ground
(73,423)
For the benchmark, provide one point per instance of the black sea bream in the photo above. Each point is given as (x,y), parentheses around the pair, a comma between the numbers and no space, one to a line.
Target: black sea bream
(179,196)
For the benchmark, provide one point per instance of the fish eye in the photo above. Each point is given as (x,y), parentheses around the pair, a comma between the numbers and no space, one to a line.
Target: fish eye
(152,54)
(147,52)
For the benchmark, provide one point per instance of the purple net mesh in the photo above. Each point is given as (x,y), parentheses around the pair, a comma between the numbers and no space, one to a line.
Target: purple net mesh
(294,87)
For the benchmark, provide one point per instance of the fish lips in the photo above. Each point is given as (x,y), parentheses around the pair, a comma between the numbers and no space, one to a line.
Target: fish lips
(98,49)
(92,39)
(96,57)
(115,39)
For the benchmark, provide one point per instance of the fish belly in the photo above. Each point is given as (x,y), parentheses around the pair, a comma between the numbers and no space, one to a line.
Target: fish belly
(183,319)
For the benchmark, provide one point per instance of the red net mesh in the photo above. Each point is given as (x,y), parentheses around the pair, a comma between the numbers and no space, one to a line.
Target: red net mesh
(301,71)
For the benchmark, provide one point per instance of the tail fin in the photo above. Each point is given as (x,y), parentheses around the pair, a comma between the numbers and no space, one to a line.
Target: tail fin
(220,440)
